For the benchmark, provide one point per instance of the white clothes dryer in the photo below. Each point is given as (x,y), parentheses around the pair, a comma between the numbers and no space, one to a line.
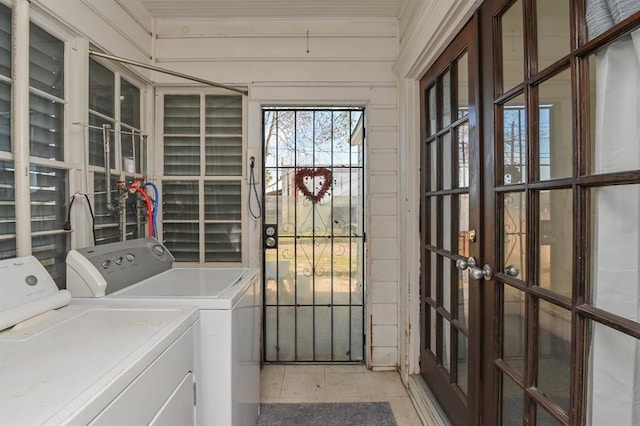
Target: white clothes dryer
(97,365)
(141,271)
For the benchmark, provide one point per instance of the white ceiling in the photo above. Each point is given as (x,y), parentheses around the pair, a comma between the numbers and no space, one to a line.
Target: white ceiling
(276,9)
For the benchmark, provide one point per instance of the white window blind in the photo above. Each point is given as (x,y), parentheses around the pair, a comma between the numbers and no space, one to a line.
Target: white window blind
(5,70)
(203,143)
(7,210)
(48,185)
(125,154)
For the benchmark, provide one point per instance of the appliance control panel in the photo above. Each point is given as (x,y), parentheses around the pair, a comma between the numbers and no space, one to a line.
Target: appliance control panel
(27,290)
(101,270)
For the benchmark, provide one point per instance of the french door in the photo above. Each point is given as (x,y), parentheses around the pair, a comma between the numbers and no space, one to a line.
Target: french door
(450,225)
(554,197)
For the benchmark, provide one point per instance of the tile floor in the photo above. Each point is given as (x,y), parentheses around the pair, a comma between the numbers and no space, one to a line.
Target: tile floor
(337,383)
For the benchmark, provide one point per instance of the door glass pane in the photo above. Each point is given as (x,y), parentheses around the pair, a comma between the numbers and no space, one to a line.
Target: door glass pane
(446,283)
(446,222)
(462,69)
(555,132)
(433,166)
(613,384)
(463,362)
(462,146)
(447,161)
(511,412)
(445,106)
(553,31)
(512,46)
(433,220)
(446,345)
(432,117)
(513,326)
(463,250)
(554,352)
(615,106)
(432,283)
(432,330)
(556,241)
(615,242)
(543,418)
(514,233)
(463,225)
(514,141)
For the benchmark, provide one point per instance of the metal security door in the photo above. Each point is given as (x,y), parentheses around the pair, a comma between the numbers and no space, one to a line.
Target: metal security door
(313,234)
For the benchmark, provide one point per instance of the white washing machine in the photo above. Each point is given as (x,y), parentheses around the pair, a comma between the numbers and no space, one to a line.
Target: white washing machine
(230,302)
(97,365)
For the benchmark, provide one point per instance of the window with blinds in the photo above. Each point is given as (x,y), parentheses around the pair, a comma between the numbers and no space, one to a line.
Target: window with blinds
(126,154)
(5,78)
(202,185)
(48,185)
(7,210)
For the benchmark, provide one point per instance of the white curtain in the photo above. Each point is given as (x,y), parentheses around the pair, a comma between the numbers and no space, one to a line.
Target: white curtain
(614,379)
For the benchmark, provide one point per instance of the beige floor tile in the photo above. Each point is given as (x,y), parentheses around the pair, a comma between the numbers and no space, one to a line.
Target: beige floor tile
(386,385)
(305,387)
(404,412)
(270,387)
(273,369)
(303,369)
(337,383)
(354,386)
(345,369)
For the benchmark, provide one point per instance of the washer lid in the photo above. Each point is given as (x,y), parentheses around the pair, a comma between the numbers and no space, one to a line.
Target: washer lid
(187,282)
(68,368)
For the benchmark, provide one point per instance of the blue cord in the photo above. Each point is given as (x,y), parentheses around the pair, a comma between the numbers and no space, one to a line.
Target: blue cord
(156,201)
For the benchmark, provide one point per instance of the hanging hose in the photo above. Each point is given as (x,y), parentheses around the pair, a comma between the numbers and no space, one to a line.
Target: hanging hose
(136,187)
(156,201)
(253,186)
(149,209)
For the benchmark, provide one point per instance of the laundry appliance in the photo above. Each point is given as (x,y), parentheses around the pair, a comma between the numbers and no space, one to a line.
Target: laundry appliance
(142,271)
(63,364)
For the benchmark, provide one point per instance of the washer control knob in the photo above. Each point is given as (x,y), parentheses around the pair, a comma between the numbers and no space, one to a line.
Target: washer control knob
(105,264)
(31,280)
(119,260)
(158,250)
(130,257)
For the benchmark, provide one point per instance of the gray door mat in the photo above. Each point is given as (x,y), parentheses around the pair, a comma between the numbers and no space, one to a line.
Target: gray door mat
(327,414)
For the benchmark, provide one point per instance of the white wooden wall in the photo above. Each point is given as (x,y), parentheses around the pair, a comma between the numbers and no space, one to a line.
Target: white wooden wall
(348,62)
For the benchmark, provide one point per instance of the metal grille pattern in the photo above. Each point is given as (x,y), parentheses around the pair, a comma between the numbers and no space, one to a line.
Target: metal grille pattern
(314,274)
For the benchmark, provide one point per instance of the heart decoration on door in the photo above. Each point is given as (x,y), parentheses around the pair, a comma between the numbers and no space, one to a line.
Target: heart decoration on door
(307,175)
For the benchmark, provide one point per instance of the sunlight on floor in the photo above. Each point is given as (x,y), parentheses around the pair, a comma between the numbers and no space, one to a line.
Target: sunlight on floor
(337,383)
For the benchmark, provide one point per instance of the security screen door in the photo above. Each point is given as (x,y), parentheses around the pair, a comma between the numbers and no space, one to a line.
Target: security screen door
(313,234)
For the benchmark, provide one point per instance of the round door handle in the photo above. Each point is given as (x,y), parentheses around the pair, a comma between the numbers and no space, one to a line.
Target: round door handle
(511,270)
(270,242)
(463,263)
(486,272)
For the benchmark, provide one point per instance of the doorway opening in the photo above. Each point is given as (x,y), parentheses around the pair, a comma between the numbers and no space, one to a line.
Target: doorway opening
(314,236)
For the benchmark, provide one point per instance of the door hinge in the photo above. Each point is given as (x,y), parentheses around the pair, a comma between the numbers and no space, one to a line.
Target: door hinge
(194,393)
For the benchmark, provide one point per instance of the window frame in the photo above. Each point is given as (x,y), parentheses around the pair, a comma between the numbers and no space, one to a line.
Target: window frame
(202,178)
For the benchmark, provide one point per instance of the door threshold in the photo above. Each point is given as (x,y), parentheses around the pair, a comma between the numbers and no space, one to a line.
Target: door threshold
(426,404)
